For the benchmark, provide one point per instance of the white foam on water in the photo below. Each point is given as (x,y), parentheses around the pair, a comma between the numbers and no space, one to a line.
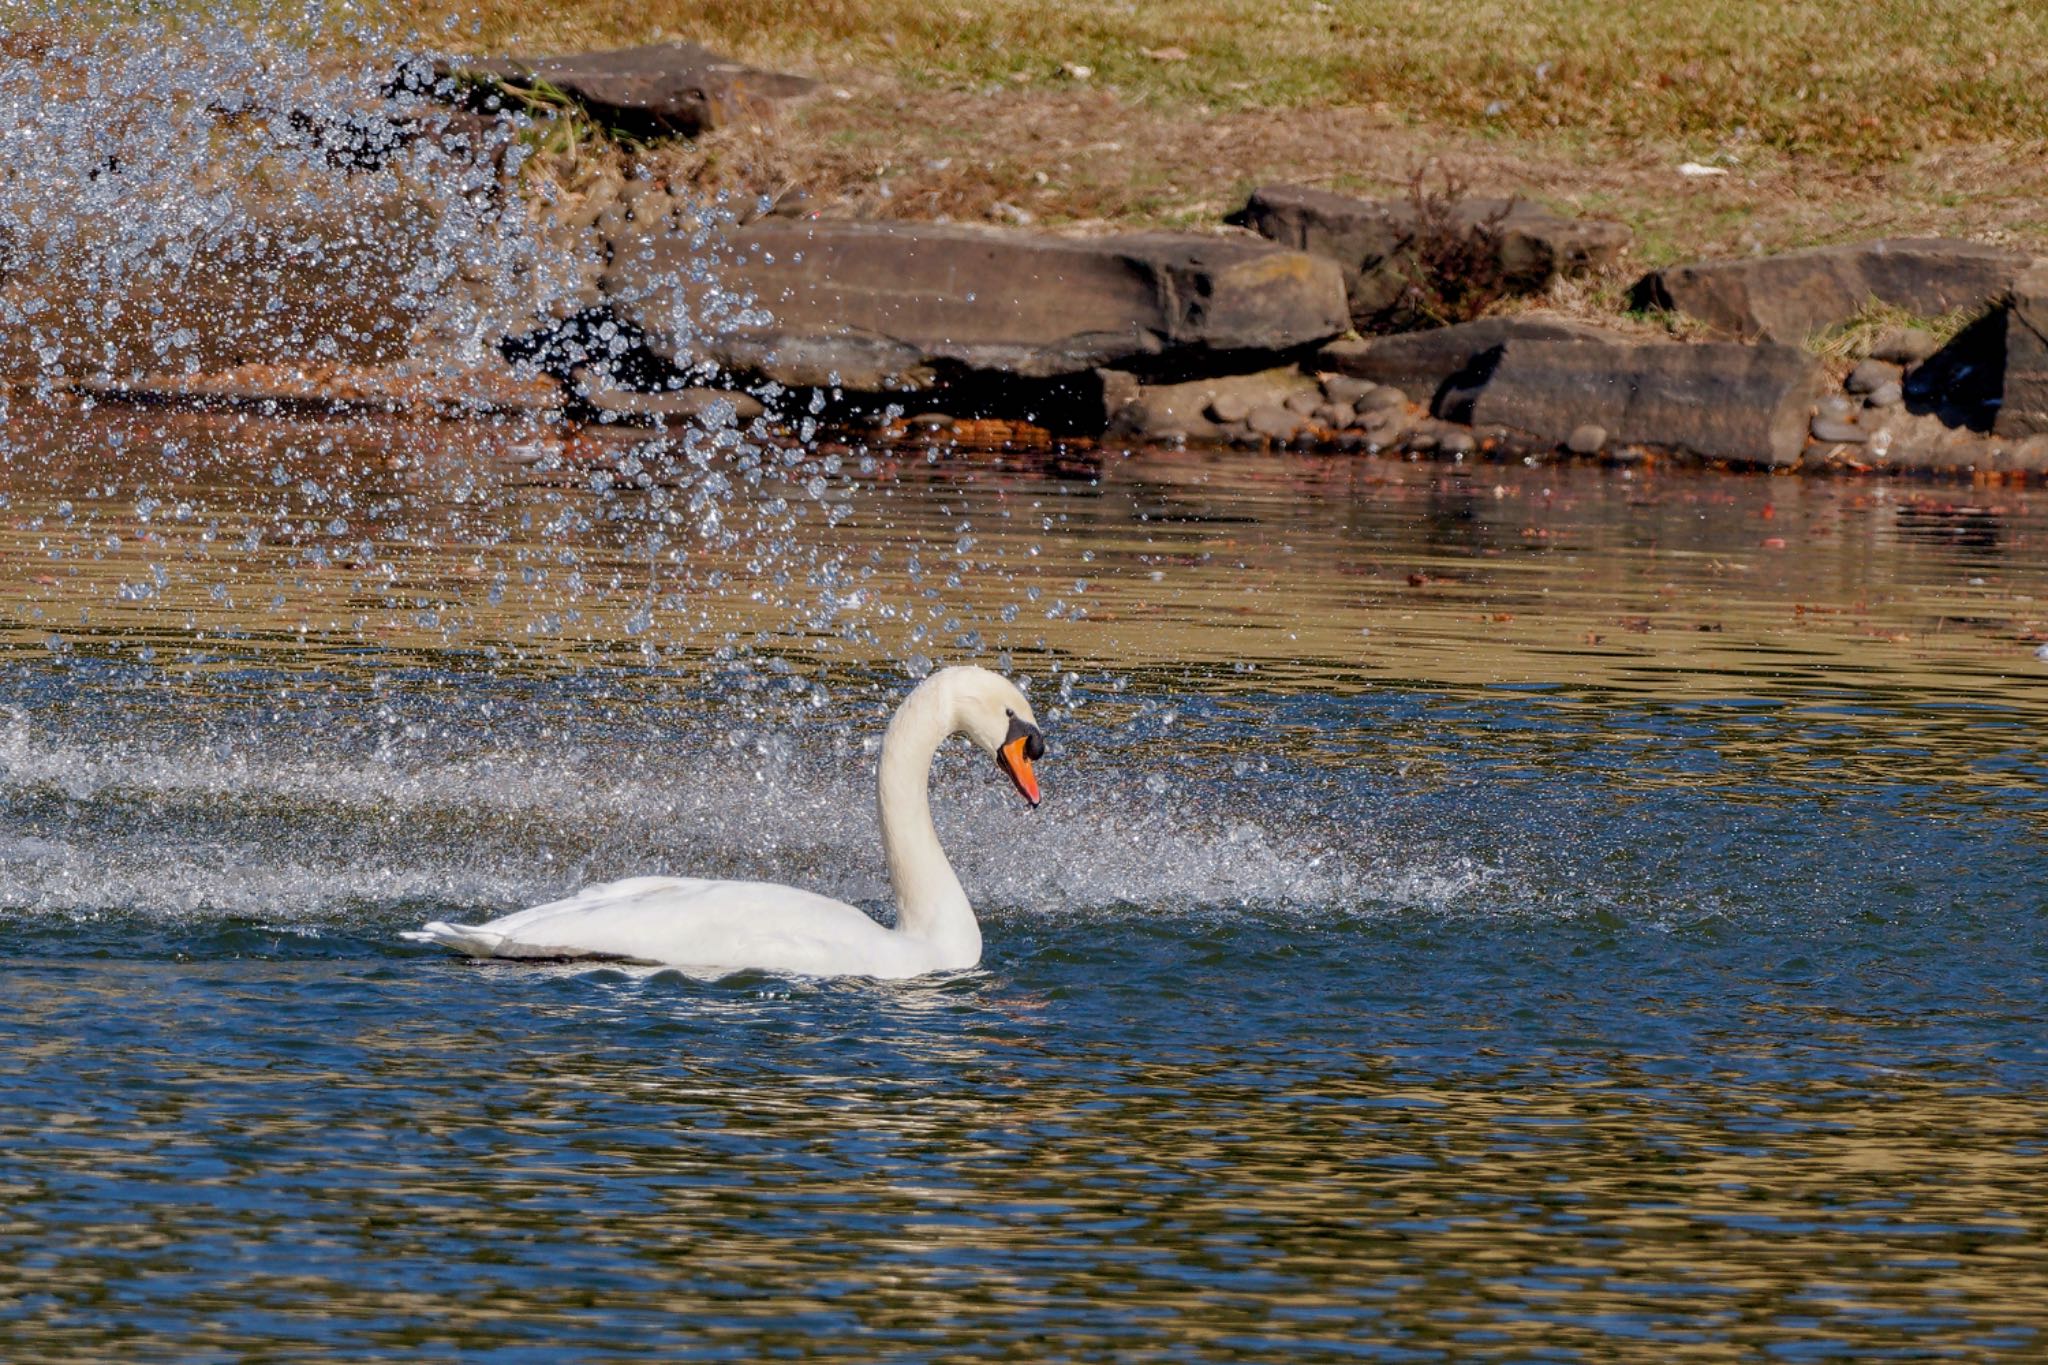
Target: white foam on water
(200,829)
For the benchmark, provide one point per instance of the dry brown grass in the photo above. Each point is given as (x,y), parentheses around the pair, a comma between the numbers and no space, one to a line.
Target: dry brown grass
(1086,159)
(1869,81)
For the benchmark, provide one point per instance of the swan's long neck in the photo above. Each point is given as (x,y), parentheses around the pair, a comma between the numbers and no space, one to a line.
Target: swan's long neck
(929,902)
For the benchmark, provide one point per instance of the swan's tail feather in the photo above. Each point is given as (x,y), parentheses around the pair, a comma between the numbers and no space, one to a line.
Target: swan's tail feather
(472,939)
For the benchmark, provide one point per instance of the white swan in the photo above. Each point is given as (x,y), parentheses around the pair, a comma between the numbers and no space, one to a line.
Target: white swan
(716,928)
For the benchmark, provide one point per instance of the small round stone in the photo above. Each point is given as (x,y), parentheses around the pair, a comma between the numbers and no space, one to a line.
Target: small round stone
(1228,408)
(1274,422)
(1588,438)
(1336,416)
(1385,398)
(1888,395)
(1872,375)
(1837,408)
(1303,403)
(1842,433)
(1342,388)
(1905,346)
(1457,443)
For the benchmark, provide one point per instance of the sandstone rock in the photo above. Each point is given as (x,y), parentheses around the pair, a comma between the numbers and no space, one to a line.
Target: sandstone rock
(897,306)
(1588,438)
(661,90)
(1872,375)
(1373,240)
(1905,346)
(2023,406)
(1428,364)
(1790,297)
(1717,400)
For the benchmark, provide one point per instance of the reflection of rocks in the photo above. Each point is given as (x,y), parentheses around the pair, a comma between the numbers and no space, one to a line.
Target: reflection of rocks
(1790,297)
(1374,240)
(899,307)
(278,390)
(662,90)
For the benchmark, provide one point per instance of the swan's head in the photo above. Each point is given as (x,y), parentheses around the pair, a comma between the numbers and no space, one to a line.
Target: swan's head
(990,710)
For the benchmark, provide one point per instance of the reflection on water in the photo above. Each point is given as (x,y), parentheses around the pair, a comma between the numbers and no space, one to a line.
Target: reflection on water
(1482,911)
(216,540)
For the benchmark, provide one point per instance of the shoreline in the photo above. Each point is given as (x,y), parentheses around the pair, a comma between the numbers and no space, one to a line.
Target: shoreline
(1440,323)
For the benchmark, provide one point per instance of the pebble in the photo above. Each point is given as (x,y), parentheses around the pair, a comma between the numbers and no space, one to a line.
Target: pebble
(1383,399)
(1588,438)
(1456,443)
(1422,442)
(1228,409)
(1872,375)
(1342,388)
(1836,407)
(1887,395)
(1384,429)
(1272,421)
(1906,346)
(1831,429)
(1303,403)
(1336,416)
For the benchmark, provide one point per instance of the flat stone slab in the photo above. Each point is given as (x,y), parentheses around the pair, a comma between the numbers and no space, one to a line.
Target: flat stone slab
(661,90)
(1430,366)
(1716,400)
(896,306)
(2023,405)
(1373,240)
(1793,296)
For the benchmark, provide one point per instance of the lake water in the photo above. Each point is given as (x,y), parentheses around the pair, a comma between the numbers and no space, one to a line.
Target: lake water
(1477,912)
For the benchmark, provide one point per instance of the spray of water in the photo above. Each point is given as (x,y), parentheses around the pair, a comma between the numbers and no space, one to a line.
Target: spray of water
(286,191)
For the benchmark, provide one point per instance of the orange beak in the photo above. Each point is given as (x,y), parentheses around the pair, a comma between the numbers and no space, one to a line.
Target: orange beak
(1012,760)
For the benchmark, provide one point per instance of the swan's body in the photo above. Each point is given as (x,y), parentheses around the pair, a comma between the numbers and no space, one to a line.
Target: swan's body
(715,928)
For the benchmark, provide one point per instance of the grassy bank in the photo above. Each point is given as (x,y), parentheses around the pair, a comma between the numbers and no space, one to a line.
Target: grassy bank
(1869,81)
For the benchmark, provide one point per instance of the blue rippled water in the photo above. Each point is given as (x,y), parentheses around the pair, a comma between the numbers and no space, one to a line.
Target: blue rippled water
(1470,948)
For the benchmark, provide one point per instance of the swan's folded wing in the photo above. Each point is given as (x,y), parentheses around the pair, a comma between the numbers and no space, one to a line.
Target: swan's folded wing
(710,926)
